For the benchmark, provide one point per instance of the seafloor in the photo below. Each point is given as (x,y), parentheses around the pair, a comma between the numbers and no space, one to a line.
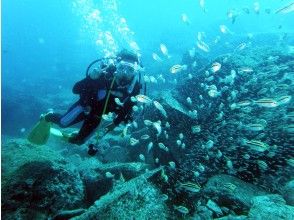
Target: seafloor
(224,150)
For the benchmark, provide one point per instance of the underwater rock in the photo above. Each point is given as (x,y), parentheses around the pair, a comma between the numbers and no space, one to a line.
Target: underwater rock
(203,213)
(44,186)
(231,192)
(37,178)
(270,207)
(288,192)
(135,198)
(232,217)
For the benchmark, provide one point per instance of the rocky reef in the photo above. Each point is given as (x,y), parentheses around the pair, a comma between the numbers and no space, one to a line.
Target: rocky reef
(219,146)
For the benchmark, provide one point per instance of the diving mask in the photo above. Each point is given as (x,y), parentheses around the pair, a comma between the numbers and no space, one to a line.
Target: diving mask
(125,72)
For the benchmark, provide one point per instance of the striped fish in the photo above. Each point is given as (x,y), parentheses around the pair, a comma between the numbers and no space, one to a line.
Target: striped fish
(256,145)
(190,187)
(268,103)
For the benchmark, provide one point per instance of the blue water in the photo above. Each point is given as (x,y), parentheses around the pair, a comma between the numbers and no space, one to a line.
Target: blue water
(47,45)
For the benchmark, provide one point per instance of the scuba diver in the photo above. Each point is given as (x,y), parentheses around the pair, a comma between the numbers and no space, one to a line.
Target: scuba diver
(106,89)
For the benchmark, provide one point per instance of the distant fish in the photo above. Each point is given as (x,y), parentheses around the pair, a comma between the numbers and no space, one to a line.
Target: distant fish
(148,122)
(118,102)
(286,9)
(202,5)
(254,127)
(256,7)
(224,29)
(160,108)
(164,50)
(133,141)
(262,165)
(246,10)
(190,187)
(145,137)
(283,99)
(185,19)
(156,57)
(268,103)
(182,209)
(241,46)
(231,14)
(290,128)
(245,70)
(163,147)
(203,46)
(268,10)
(178,68)
(142,157)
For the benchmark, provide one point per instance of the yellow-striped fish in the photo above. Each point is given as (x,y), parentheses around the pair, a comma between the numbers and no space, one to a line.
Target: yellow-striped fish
(266,102)
(256,145)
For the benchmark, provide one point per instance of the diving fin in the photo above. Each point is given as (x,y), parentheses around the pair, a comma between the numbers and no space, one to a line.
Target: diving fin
(40,133)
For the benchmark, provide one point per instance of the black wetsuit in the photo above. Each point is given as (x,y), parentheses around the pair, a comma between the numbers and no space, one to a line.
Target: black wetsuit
(93,95)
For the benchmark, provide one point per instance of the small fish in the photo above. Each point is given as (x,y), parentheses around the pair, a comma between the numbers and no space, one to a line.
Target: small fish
(108,117)
(22,130)
(133,141)
(245,70)
(178,68)
(160,108)
(241,46)
(118,102)
(145,137)
(172,164)
(164,50)
(203,46)
(286,9)
(162,146)
(213,93)
(156,57)
(246,10)
(157,126)
(190,187)
(215,67)
(256,145)
(224,29)
(149,147)
(202,5)
(109,175)
(148,122)
(262,165)
(231,14)
(283,99)
(182,209)
(143,99)
(153,79)
(185,19)
(256,7)
(163,197)
(254,127)
(189,100)
(243,103)
(267,10)
(290,128)
(266,102)
(142,157)
(290,162)
(196,129)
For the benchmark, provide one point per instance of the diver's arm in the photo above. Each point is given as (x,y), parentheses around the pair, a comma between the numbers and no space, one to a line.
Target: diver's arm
(81,86)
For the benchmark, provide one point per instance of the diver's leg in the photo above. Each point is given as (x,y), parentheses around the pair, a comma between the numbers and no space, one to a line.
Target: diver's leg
(90,124)
(74,115)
